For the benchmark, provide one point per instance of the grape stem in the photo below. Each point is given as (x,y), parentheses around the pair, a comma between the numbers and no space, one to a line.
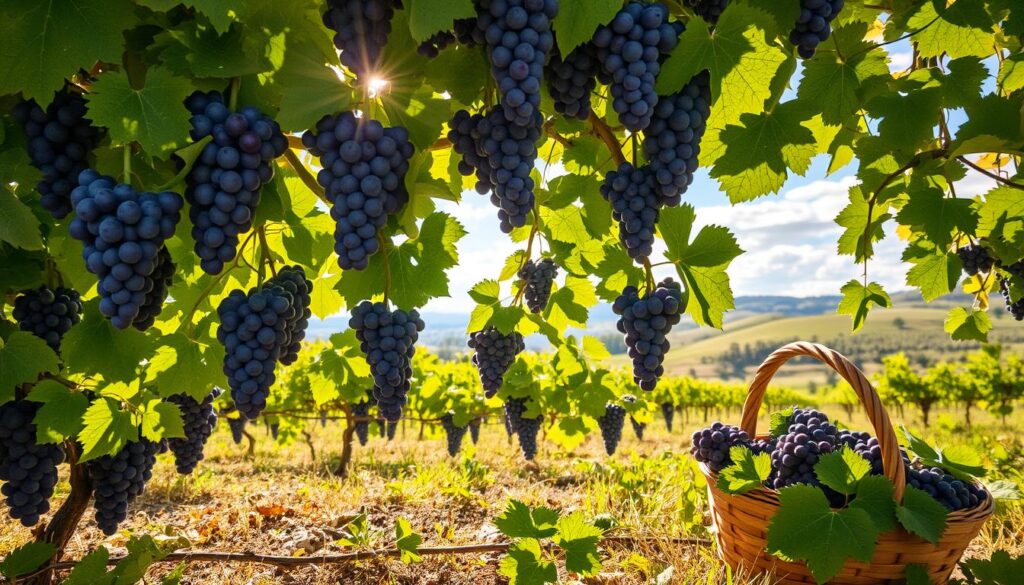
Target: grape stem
(386,248)
(190,332)
(234,88)
(127,159)
(605,134)
(305,176)
(265,250)
(649,274)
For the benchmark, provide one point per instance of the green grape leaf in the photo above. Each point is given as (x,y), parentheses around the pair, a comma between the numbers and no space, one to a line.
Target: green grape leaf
(184,366)
(459,71)
(907,120)
(567,306)
(999,569)
(856,240)
(917,575)
(959,29)
(152,115)
(747,472)
(91,570)
(964,324)
(842,470)
(421,113)
(519,521)
(779,421)
(961,461)
(26,559)
(221,13)
(94,346)
(922,515)
(524,565)
(23,358)
(60,415)
(1001,221)
(579,541)
(709,294)
(1011,74)
(938,216)
(18,227)
(615,272)
(161,420)
(45,43)
(427,17)
(306,57)
(106,429)
(858,299)
(935,275)
(407,541)
(874,496)
(762,149)
(577,21)
(992,124)
(806,528)
(143,551)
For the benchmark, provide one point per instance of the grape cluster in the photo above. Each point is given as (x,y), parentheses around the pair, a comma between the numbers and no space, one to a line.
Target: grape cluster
(48,314)
(611,423)
(274,428)
(123,232)
(571,80)
(199,419)
(518,38)
(1015,308)
(223,187)
(362,410)
(254,331)
(464,32)
(59,142)
(955,494)
(153,304)
(363,174)
(646,321)
(388,339)
(668,411)
(638,428)
(763,446)
(494,353)
(672,141)
(361,29)
(293,280)
(474,430)
(28,470)
(975,259)
(501,154)
(527,429)
(810,435)
(118,479)
(813,26)
(711,445)
(237,426)
(453,433)
(864,445)
(709,10)
(391,427)
(514,409)
(538,278)
(635,205)
(629,49)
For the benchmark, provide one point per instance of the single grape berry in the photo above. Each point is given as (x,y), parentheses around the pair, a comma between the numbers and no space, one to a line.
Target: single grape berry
(361,29)
(813,25)
(494,353)
(672,141)
(361,410)
(711,446)
(527,429)
(453,433)
(668,412)
(646,322)
(223,186)
(118,479)
(28,470)
(538,277)
(199,419)
(48,314)
(571,80)
(629,49)
(292,279)
(388,340)
(611,423)
(123,232)
(975,259)
(60,141)
(518,37)
(364,166)
(635,205)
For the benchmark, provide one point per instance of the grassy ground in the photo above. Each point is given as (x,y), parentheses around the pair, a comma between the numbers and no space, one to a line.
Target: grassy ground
(283,501)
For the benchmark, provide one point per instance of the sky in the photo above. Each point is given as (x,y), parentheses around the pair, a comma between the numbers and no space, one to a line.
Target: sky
(789,238)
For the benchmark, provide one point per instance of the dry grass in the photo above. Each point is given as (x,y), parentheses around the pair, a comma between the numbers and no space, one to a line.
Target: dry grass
(285,502)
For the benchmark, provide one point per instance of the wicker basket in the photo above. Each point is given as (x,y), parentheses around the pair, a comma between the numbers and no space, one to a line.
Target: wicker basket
(741,521)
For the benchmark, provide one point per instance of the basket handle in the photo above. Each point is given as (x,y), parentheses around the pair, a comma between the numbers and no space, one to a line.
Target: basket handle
(892,461)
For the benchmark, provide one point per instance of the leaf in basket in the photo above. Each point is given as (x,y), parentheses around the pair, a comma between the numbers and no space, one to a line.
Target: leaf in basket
(747,472)
(917,575)
(806,528)
(842,470)
(922,515)
(961,461)
(874,496)
(1001,569)
(779,423)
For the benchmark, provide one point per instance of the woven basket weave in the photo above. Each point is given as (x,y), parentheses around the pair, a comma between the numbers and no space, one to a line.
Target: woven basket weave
(741,521)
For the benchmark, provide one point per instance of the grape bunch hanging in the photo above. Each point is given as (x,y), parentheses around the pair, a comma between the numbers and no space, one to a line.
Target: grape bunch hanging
(453,434)
(388,340)
(199,420)
(572,79)
(48,313)
(646,321)
(672,141)
(493,354)
(364,166)
(538,277)
(814,25)
(611,424)
(120,478)
(28,470)
(123,233)
(361,29)
(223,187)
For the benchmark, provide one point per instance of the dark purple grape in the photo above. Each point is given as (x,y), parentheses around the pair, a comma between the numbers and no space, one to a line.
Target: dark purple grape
(388,340)
(645,322)
(48,314)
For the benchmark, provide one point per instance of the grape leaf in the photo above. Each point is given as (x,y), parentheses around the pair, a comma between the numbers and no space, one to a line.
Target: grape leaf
(992,124)
(957,30)
(26,559)
(94,346)
(18,227)
(427,17)
(579,541)
(922,515)
(183,366)
(220,12)
(779,421)
(842,470)
(161,420)
(577,21)
(407,541)
(153,115)
(708,295)
(855,240)
(306,57)
(1011,74)
(519,521)
(930,211)
(961,461)
(106,429)
(858,299)
(524,565)
(91,570)
(46,41)
(934,274)
(22,359)
(999,569)
(60,415)
(874,496)
(567,306)
(968,324)
(747,472)
(806,528)
(1001,220)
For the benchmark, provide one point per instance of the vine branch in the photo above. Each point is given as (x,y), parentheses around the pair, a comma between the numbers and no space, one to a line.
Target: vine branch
(305,176)
(608,137)
(990,174)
